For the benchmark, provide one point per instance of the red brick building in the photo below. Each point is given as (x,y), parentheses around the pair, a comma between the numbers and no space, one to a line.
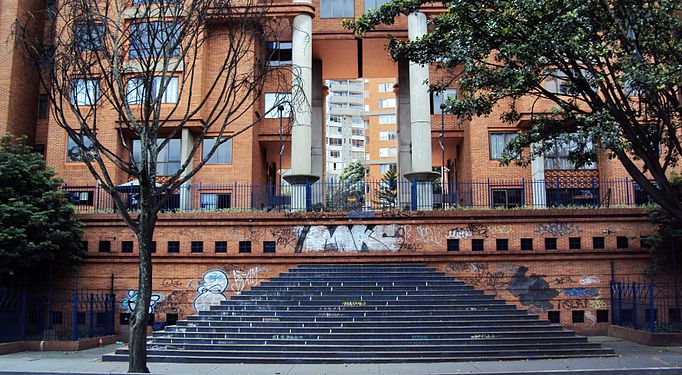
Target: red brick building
(575,229)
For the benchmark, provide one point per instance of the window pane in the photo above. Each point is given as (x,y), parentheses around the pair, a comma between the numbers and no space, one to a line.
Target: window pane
(73,152)
(273,100)
(223,155)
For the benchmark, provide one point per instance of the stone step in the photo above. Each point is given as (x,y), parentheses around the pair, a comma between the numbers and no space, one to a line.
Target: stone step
(272,322)
(475,315)
(313,329)
(334,311)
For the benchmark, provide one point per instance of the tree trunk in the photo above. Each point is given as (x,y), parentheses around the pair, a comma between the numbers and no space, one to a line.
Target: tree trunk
(137,361)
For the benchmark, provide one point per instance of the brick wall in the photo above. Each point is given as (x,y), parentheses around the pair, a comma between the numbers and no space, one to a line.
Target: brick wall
(563,280)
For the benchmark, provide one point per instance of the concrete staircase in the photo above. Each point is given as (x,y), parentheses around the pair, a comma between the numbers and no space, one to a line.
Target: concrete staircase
(362,313)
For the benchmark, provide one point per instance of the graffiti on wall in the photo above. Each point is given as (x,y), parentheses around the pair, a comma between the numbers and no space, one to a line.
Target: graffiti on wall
(130,301)
(590,280)
(558,229)
(470,230)
(210,291)
(581,292)
(532,290)
(346,238)
(176,302)
(246,278)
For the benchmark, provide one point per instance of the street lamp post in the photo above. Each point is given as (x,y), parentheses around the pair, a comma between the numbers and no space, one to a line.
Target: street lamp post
(442,148)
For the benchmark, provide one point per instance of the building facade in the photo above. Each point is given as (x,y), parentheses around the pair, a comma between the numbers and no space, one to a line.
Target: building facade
(479,221)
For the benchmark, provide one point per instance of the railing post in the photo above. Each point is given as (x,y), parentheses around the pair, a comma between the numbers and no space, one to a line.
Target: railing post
(613,301)
(634,304)
(595,198)
(24,313)
(75,314)
(652,315)
(113,314)
(558,192)
(627,191)
(92,316)
(620,304)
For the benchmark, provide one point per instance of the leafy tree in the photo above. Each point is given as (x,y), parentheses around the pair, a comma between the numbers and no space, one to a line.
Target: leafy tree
(349,192)
(162,69)
(667,236)
(386,195)
(38,234)
(617,65)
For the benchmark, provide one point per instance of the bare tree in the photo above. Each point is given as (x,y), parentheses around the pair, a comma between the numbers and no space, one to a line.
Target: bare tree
(128,57)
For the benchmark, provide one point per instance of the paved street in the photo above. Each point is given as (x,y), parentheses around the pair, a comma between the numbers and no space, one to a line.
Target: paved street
(635,358)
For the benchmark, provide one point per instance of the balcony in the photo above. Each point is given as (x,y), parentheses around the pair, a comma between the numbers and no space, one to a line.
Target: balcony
(334,195)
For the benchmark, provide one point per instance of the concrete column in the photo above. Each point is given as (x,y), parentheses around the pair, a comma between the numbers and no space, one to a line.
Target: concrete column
(317,148)
(420,122)
(404,137)
(301,96)
(538,190)
(186,143)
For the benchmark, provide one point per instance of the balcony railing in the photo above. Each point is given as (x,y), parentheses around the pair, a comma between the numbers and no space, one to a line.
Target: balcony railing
(335,195)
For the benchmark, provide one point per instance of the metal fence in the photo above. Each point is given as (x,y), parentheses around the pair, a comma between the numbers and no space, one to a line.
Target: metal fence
(62,315)
(649,306)
(337,195)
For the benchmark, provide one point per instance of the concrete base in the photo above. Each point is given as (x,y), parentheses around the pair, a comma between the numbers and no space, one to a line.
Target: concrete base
(644,337)
(40,346)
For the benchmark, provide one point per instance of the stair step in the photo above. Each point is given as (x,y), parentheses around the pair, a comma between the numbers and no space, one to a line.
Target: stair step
(362,313)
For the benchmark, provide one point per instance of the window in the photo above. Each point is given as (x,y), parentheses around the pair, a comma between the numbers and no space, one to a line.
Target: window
(171,319)
(127,246)
(272,102)
(602,316)
(578,316)
(104,246)
(574,243)
(502,244)
(644,242)
(498,141)
(269,247)
(213,201)
(88,37)
(84,91)
(337,130)
(554,317)
(244,246)
(387,135)
(383,168)
(384,86)
(507,198)
(197,247)
(334,141)
(84,245)
(557,81)
(357,131)
(279,53)
(154,40)
(135,90)
(73,152)
(387,103)
(527,244)
(558,157)
(598,243)
(334,153)
(550,243)
(222,155)
(387,119)
(358,142)
(42,106)
(642,197)
(438,98)
(173,247)
(152,248)
(622,242)
(336,119)
(80,198)
(386,152)
(221,246)
(453,244)
(337,9)
(168,160)
(477,245)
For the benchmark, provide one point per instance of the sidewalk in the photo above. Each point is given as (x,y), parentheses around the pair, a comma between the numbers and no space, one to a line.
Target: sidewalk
(637,358)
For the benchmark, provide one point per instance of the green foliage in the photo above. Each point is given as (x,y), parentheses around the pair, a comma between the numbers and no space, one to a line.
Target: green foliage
(668,235)
(37,231)
(615,65)
(386,194)
(348,193)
